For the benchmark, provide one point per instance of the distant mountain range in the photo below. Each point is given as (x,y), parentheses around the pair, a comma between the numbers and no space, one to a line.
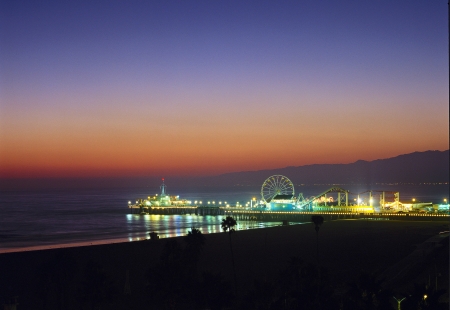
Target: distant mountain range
(417,167)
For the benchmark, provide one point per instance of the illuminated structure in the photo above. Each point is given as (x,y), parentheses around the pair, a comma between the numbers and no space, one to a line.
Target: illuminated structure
(162,200)
(444,208)
(277,193)
(322,201)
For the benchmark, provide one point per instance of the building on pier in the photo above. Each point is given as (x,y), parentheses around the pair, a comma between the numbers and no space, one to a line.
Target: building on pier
(282,203)
(159,200)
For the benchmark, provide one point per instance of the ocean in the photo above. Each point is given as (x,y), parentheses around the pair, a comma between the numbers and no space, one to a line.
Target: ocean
(36,219)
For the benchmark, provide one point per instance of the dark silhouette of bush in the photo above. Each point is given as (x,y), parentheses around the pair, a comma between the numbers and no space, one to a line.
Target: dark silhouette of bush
(297,287)
(153,236)
(96,288)
(425,298)
(165,280)
(367,293)
(214,292)
(55,281)
(195,242)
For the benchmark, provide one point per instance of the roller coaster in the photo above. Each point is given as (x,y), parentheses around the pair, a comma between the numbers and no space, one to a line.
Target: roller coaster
(278,191)
(342,200)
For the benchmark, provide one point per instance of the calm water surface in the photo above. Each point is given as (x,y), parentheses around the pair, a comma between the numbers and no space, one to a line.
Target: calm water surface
(52,217)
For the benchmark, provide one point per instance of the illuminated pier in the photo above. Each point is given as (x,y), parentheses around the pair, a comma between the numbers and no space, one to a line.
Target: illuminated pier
(279,203)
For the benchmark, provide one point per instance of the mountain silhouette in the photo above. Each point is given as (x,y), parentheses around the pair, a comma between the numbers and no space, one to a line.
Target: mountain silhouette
(417,167)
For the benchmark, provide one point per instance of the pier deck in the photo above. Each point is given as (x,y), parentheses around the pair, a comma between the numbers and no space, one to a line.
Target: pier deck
(289,216)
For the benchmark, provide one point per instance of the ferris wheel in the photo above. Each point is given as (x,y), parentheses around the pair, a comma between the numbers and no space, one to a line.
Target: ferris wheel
(276,185)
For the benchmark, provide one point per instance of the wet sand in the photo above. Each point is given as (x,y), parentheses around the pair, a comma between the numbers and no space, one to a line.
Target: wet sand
(346,248)
(63,245)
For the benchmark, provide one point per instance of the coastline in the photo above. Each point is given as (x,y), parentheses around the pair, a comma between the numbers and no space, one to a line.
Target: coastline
(243,225)
(259,253)
(63,245)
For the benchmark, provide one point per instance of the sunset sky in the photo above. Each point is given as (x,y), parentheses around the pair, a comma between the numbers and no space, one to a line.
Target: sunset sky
(137,88)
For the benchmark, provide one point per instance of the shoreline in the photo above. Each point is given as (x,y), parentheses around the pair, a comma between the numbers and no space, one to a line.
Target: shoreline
(63,245)
(348,248)
(143,236)
(164,235)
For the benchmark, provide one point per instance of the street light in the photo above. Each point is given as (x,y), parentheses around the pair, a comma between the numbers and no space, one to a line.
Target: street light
(399,302)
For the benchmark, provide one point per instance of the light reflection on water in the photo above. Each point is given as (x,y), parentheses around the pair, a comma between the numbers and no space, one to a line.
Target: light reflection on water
(31,218)
(169,226)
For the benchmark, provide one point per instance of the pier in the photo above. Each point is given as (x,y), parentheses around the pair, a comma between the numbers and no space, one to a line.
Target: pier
(241,214)
(279,204)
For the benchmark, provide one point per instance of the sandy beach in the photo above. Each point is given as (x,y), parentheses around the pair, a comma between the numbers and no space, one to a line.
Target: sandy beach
(346,247)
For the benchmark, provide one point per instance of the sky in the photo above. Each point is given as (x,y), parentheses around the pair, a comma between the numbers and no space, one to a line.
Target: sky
(160,88)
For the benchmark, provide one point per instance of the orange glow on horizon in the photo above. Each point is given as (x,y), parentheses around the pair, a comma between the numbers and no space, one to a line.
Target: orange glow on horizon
(175,91)
(203,141)
(165,163)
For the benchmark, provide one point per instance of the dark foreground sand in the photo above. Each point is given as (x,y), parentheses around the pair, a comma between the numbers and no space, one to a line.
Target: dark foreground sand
(347,248)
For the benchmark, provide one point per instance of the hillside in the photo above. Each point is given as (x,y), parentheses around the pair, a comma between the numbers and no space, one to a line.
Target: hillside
(417,167)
